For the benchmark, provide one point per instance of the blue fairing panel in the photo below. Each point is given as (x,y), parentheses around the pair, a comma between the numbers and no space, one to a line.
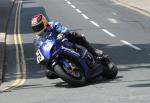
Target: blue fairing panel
(46,48)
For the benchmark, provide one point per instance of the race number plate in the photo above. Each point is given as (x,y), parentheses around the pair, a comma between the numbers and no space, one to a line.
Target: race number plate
(40,56)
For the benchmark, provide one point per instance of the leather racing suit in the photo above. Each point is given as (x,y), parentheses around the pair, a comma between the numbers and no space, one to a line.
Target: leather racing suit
(55,28)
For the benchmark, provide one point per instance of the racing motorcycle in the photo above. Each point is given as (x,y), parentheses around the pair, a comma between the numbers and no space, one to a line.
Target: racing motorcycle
(73,63)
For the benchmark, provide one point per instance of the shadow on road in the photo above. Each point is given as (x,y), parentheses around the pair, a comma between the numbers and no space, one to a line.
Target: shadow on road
(140,85)
(65,85)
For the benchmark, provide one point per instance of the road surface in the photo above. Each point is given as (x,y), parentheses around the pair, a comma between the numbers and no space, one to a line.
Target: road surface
(120,32)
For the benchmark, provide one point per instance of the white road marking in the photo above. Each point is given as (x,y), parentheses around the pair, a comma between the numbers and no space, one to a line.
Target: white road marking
(2,37)
(2,33)
(109,33)
(131,45)
(68,2)
(95,24)
(117,3)
(85,16)
(73,6)
(112,20)
(78,10)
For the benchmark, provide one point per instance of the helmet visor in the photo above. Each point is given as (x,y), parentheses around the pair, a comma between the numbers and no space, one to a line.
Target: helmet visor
(38,28)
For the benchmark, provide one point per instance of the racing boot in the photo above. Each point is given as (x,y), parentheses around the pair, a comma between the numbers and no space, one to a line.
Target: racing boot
(80,39)
(104,59)
(100,56)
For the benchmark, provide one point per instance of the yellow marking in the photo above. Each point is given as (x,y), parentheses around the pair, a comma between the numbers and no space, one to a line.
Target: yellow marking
(21,77)
(132,8)
(22,51)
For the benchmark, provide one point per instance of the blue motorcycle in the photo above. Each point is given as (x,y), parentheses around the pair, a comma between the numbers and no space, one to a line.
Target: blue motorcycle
(72,63)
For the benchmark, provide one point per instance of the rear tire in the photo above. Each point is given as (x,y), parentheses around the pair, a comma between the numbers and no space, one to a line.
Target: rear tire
(110,71)
(70,79)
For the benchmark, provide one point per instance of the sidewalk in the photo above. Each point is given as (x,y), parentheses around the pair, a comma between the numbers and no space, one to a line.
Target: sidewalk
(5,8)
(140,4)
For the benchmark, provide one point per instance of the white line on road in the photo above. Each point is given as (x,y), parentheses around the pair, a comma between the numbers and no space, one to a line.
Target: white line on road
(109,33)
(2,33)
(2,37)
(68,2)
(112,20)
(73,6)
(94,23)
(85,16)
(131,45)
(78,10)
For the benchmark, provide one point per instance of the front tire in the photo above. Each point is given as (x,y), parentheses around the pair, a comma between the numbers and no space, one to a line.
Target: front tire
(74,81)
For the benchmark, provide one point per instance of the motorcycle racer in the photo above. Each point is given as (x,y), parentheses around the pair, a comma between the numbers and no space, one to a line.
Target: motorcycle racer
(43,29)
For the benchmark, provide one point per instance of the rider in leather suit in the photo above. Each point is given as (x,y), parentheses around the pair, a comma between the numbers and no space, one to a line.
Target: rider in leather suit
(43,28)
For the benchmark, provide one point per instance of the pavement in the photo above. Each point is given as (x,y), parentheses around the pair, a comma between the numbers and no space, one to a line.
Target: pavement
(5,9)
(139,4)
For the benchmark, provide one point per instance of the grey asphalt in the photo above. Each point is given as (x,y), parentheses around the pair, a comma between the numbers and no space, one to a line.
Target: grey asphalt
(132,84)
(5,9)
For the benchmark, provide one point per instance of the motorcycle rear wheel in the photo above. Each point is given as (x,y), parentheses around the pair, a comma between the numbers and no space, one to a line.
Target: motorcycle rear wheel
(110,71)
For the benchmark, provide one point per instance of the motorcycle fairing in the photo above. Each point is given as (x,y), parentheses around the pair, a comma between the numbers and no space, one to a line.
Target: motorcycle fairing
(46,48)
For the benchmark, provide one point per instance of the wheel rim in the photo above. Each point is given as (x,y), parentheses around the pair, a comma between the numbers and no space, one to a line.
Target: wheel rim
(73,70)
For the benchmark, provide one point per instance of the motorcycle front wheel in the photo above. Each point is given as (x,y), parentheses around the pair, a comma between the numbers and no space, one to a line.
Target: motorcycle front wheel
(74,75)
